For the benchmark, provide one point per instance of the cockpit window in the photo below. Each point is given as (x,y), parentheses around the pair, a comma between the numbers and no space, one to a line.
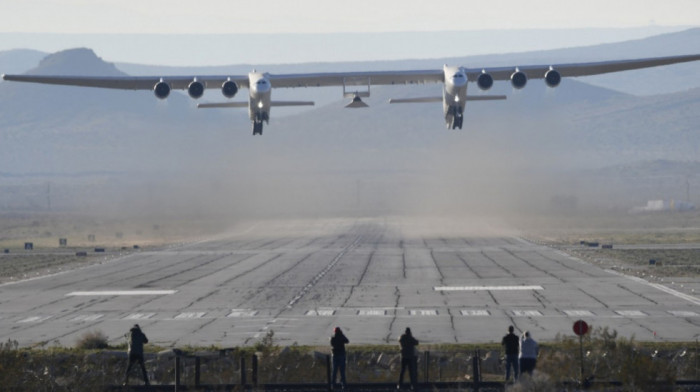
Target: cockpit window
(458,75)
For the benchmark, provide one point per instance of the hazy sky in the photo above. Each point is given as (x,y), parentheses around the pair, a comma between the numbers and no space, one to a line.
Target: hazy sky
(322,16)
(103,25)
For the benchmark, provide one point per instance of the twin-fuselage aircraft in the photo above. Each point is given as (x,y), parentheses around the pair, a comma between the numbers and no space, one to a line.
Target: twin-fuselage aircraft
(355,84)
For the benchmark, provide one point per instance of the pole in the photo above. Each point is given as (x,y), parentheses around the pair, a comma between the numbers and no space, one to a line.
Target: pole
(580,339)
(476,368)
(177,372)
(197,373)
(427,367)
(328,372)
(255,370)
(243,381)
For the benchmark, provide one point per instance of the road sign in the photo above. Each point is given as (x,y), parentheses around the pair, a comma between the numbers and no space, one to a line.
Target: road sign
(580,327)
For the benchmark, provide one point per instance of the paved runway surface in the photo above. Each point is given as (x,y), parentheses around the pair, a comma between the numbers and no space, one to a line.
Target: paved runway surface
(373,277)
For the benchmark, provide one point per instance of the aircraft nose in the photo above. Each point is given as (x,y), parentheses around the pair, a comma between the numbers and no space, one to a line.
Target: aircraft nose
(261,86)
(459,79)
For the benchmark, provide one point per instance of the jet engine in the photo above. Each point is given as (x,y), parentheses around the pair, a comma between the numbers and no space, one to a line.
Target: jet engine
(552,78)
(484,81)
(161,90)
(229,89)
(195,89)
(518,79)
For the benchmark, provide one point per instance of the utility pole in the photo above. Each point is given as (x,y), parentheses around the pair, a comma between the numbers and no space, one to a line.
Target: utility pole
(48,195)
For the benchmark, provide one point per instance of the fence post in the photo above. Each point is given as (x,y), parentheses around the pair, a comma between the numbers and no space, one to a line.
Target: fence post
(177,371)
(243,381)
(476,369)
(254,364)
(427,366)
(197,365)
(328,372)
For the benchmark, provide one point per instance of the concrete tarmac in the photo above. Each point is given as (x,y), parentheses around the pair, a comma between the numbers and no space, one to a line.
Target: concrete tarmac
(371,276)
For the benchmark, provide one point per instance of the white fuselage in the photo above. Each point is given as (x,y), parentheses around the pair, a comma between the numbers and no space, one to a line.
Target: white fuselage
(259,96)
(454,93)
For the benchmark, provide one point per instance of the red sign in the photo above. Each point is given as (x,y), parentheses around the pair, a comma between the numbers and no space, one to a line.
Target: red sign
(580,327)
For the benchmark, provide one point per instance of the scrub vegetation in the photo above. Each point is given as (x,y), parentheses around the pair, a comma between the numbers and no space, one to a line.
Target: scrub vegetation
(639,366)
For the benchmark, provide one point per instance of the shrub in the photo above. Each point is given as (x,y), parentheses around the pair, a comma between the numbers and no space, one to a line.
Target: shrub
(93,340)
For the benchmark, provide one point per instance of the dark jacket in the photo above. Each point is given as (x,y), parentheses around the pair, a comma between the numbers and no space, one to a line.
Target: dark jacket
(338,342)
(408,345)
(136,341)
(512,344)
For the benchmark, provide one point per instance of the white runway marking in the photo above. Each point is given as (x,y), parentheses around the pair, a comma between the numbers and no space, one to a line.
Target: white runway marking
(683,313)
(527,313)
(120,292)
(242,313)
(371,312)
(189,315)
(477,312)
(486,288)
(139,316)
(34,319)
(579,313)
(85,317)
(631,313)
(423,312)
(320,312)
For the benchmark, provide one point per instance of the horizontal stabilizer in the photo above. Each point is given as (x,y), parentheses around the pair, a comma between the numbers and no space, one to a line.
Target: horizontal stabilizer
(292,103)
(485,97)
(416,100)
(223,105)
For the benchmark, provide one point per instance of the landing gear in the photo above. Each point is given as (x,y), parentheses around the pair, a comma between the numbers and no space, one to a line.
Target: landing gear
(257,127)
(457,117)
(258,123)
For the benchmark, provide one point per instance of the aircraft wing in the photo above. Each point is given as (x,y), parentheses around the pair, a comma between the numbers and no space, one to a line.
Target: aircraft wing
(128,82)
(356,78)
(579,69)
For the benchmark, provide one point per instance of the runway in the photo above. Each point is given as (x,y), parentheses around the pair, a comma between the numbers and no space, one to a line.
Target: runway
(372,276)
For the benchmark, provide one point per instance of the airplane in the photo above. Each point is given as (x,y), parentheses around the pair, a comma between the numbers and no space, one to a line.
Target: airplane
(454,96)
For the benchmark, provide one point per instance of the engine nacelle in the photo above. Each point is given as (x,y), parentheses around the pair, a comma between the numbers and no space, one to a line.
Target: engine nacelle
(229,89)
(196,89)
(161,90)
(552,78)
(518,79)
(484,81)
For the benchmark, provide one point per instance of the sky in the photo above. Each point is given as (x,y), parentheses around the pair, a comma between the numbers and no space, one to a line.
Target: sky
(110,27)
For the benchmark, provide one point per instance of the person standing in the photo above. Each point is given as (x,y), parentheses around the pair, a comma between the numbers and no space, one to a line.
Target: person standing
(528,353)
(338,342)
(408,358)
(136,339)
(512,346)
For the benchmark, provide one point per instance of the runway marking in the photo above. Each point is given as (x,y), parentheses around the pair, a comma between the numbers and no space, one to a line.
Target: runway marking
(114,293)
(661,287)
(527,313)
(486,288)
(242,313)
(579,313)
(477,312)
(423,312)
(139,316)
(371,312)
(88,317)
(320,312)
(631,313)
(189,315)
(34,319)
(683,313)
